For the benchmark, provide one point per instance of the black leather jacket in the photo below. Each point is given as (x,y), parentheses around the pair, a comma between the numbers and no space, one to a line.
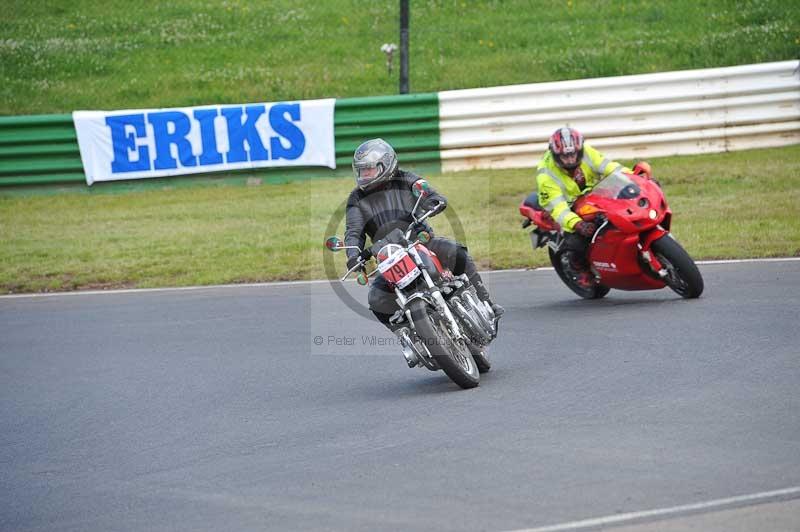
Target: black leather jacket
(376,212)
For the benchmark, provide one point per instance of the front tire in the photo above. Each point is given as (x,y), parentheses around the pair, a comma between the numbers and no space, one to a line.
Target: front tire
(453,356)
(593,292)
(683,277)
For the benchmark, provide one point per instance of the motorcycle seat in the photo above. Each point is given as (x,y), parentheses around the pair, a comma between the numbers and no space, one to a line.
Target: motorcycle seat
(532,201)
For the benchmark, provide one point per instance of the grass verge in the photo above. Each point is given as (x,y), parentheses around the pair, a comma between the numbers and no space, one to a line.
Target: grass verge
(60,56)
(731,205)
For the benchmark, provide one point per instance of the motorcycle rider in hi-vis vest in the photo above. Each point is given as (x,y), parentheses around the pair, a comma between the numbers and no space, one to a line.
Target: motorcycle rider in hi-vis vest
(569,169)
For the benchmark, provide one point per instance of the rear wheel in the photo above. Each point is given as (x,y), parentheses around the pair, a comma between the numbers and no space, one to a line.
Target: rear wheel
(453,356)
(596,291)
(480,358)
(470,320)
(682,274)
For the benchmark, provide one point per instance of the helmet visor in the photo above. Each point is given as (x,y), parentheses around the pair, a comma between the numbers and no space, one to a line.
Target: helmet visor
(367,172)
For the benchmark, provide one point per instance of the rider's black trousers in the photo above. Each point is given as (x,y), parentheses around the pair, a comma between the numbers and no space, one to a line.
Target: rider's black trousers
(577,247)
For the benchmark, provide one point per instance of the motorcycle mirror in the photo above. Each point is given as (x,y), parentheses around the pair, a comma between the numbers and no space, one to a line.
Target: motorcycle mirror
(361,279)
(334,243)
(643,168)
(424,237)
(420,188)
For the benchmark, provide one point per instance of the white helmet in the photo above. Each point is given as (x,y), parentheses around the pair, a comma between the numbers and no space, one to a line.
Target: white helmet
(373,162)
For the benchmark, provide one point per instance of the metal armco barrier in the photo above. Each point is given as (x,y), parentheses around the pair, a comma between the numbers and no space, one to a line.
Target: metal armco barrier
(649,115)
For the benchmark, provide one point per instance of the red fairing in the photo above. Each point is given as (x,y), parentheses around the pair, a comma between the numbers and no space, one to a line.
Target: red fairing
(634,224)
(647,239)
(628,215)
(615,258)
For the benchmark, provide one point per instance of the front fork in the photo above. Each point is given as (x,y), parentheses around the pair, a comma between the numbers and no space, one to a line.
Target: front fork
(434,296)
(649,256)
(413,355)
(442,306)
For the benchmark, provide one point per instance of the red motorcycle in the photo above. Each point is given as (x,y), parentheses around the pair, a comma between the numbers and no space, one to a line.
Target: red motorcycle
(632,248)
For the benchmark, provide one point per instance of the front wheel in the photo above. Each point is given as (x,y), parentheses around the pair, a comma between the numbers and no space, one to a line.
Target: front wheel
(452,355)
(596,291)
(682,274)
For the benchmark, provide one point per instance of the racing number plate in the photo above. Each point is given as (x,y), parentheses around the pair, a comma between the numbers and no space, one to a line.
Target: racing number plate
(399,269)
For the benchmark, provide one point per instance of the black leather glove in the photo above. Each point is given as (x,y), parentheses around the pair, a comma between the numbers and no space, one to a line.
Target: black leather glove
(585,228)
(416,227)
(361,257)
(643,169)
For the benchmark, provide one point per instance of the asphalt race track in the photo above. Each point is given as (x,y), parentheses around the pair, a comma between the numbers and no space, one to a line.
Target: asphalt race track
(215,409)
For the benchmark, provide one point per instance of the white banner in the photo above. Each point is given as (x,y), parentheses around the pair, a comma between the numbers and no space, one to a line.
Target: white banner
(137,144)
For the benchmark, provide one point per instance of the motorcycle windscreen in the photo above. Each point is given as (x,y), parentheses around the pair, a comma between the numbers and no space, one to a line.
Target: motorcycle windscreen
(616,186)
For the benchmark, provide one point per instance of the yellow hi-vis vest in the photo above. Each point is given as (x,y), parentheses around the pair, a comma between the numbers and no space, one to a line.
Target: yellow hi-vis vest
(558,190)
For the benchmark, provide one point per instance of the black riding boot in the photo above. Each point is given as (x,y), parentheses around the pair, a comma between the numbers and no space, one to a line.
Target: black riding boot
(480,288)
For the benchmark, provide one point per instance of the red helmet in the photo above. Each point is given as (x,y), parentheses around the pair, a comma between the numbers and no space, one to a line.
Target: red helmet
(567,147)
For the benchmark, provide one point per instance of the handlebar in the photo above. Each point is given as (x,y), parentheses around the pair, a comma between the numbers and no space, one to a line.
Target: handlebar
(362,262)
(359,266)
(422,218)
(430,212)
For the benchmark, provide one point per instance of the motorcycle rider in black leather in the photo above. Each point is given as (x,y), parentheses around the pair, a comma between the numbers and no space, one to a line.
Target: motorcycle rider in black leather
(382,201)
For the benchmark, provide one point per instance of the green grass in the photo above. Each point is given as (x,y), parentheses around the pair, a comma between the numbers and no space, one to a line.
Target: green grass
(731,205)
(82,54)
(59,56)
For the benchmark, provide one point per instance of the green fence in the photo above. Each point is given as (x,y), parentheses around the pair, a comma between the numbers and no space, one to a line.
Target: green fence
(41,151)
(409,123)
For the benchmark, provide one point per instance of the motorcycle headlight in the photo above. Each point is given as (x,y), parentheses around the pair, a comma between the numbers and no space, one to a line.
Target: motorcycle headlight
(387,251)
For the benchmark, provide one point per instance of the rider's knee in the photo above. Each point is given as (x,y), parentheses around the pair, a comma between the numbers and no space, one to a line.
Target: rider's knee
(575,242)
(380,301)
(454,256)
(462,259)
